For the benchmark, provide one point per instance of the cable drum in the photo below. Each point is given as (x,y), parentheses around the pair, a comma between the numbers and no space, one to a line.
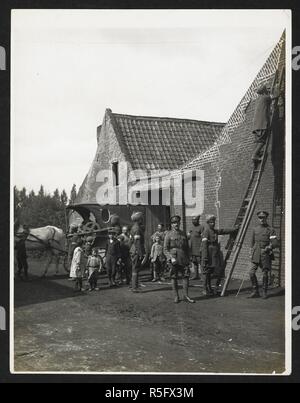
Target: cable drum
(91,226)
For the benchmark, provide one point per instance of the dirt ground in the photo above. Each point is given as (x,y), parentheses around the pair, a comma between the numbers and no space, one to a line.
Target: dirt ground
(114,330)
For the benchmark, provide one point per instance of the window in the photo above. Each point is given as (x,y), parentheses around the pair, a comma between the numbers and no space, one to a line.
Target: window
(105,215)
(115,170)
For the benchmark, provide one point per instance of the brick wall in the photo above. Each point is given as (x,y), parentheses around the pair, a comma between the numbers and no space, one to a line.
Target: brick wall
(227,166)
(236,165)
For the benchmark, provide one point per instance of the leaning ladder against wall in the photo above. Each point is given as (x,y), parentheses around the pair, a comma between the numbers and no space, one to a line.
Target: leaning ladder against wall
(248,204)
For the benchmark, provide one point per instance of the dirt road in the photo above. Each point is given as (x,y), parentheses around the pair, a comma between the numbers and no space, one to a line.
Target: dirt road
(114,330)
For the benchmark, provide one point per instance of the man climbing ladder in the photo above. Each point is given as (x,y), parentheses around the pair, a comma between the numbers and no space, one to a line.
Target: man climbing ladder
(261,121)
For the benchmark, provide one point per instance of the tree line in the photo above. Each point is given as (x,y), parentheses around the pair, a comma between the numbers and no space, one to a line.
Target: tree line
(42,208)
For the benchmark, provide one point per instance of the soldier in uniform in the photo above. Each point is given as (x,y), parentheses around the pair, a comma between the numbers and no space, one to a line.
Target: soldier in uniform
(137,248)
(264,240)
(124,239)
(195,238)
(261,120)
(211,253)
(113,254)
(176,250)
(115,222)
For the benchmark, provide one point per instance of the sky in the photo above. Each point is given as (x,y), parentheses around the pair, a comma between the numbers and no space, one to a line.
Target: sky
(68,66)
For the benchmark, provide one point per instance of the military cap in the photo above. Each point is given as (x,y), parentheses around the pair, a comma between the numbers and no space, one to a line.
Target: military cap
(111,231)
(175,219)
(137,215)
(89,239)
(262,214)
(210,217)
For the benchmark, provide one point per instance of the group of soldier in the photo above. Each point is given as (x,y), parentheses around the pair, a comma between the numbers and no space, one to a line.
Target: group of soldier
(174,253)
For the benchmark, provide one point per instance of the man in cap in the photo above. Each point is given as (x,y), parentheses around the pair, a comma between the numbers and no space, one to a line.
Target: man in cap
(263,241)
(21,253)
(195,238)
(124,239)
(261,120)
(113,254)
(176,250)
(115,223)
(211,252)
(137,248)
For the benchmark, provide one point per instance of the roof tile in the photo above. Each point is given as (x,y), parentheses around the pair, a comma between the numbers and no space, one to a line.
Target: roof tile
(164,143)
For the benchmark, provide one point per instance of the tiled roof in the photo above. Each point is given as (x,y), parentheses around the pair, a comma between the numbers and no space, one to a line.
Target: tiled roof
(163,143)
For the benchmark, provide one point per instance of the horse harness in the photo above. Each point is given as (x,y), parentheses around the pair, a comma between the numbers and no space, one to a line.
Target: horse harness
(48,245)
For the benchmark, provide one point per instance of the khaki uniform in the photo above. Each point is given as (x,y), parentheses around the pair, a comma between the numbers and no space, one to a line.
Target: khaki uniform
(176,246)
(262,237)
(137,252)
(125,256)
(212,258)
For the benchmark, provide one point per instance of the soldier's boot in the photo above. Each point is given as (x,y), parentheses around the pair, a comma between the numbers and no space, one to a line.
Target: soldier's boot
(255,292)
(185,283)
(154,276)
(174,283)
(208,290)
(265,286)
(217,286)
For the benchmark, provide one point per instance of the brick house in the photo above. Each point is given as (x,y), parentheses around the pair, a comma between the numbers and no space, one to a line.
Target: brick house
(222,152)
(145,144)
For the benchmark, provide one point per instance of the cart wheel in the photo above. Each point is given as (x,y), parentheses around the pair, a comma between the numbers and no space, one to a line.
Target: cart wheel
(91,226)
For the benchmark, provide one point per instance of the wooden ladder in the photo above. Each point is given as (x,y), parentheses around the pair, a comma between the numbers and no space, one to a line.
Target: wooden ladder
(247,208)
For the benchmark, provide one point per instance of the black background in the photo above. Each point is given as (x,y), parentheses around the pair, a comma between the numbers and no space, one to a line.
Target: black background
(115,380)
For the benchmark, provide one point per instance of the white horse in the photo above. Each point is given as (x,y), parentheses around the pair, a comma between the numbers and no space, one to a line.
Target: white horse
(49,239)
